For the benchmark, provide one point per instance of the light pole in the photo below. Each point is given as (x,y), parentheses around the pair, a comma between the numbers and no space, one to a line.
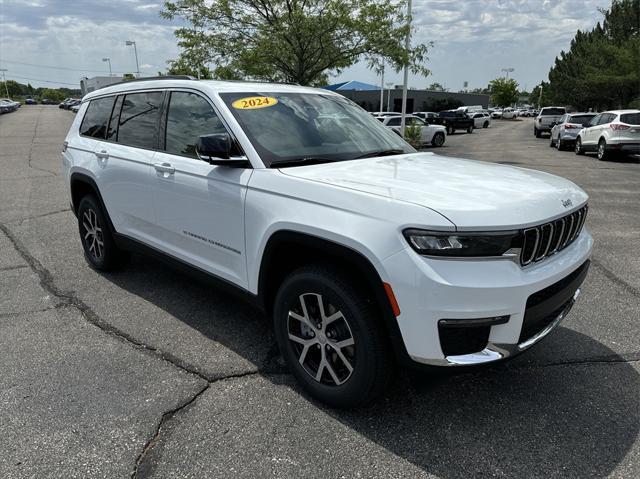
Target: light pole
(508,70)
(109,61)
(389,85)
(407,45)
(382,86)
(5,81)
(135,50)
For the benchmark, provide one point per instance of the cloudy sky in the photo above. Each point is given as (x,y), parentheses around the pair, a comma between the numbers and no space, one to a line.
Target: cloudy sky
(56,42)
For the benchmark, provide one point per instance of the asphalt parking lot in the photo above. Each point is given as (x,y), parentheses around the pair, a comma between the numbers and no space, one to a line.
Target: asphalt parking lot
(146,373)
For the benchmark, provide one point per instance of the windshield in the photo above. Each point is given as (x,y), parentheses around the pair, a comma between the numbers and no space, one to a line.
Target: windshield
(283,127)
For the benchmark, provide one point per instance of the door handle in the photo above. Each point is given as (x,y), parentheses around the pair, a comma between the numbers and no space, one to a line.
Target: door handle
(101,155)
(164,168)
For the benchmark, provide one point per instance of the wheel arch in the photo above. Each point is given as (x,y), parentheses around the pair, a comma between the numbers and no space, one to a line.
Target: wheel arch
(286,250)
(82,184)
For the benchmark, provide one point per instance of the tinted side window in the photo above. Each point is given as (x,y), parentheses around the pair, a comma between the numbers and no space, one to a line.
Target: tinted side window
(94,123)
(138,124)
(606,118)
(595,120)
(394,122)
(188,117)
(115,117)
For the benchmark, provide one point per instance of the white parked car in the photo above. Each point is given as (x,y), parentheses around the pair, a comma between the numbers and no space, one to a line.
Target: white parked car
(496,113)
(610,133)
(481,120)
(509,114)
(434,135)
(366,253)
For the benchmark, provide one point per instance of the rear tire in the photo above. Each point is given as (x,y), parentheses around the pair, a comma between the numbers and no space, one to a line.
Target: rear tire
(603,154)
(100,249)
(551,142)
(560,144)
(485,125)
(536,132)
(470,129)
(310,340)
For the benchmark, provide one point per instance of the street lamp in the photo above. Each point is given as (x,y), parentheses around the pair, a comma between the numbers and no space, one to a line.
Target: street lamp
(508,70)
(109,61)
(5,81)
(135,50)
(389,85)
(407,46)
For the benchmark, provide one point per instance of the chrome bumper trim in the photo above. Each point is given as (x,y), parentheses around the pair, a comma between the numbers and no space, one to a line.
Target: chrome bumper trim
(495,352)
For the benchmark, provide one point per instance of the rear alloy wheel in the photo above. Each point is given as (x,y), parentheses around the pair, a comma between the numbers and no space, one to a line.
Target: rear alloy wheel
(560,144)
(603,154)
(438,139)
(331,338)
(100,249)
(578,147)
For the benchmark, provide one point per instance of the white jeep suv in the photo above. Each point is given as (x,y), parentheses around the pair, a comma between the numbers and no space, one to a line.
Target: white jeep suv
(610,133)
(366,253)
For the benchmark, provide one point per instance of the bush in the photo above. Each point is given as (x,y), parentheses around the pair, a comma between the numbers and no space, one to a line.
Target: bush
(413,135)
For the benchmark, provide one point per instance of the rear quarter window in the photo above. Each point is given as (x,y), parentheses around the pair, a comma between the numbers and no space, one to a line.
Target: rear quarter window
(630,118)
(96,119)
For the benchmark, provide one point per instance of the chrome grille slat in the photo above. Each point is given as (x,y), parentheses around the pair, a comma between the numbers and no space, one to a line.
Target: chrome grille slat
(542,241)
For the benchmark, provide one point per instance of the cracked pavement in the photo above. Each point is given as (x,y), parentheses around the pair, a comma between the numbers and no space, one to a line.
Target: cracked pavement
(146,373)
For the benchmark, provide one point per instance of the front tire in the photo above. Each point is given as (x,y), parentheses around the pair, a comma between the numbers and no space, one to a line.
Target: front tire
(470,129)
(100,249)
(578,150)
(536,132)
(485,125)
(560,144)
(450,130)
(438,139)
(331,338)
(551,142)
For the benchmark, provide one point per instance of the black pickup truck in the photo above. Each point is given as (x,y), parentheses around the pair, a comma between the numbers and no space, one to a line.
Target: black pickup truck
(453,120)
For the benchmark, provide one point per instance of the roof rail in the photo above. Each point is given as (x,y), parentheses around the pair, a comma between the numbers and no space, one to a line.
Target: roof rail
(164,77)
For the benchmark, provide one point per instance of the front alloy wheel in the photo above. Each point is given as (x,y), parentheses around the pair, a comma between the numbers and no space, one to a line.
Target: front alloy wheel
(602,151)
(578,147)
(438,139)
(322,339)
(331,336)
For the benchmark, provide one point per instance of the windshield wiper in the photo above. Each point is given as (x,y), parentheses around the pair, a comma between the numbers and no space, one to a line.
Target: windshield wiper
(307,160)
(380,153)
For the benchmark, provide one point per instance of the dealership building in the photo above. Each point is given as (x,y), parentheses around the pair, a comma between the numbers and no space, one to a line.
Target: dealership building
(368,97)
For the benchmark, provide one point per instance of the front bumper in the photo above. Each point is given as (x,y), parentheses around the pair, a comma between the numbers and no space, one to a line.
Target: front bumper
(430,290)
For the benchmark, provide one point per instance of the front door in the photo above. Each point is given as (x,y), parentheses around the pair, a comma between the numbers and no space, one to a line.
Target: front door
(199,207)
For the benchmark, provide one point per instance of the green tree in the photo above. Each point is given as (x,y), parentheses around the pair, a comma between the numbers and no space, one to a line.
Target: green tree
(436,87)
(537,100)
(504,91)
(298,41)
(51,94)
(601,69)
(128,76)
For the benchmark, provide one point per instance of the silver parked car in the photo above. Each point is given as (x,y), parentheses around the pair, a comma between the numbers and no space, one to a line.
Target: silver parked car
(565,131)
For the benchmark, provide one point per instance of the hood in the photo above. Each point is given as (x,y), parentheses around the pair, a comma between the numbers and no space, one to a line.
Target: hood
(471,194)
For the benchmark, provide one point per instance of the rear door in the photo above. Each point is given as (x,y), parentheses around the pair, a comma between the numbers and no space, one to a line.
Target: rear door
(125,157)
(199,206)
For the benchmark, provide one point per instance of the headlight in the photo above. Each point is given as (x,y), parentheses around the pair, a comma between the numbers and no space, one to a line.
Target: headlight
(465,245)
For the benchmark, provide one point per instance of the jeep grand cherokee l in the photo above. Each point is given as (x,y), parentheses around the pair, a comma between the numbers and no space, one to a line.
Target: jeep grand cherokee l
(366,253)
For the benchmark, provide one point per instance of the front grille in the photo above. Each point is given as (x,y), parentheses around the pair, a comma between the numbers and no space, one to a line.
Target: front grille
(544,240)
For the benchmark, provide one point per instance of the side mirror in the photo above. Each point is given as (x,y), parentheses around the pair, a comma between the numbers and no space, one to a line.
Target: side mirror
(216,149)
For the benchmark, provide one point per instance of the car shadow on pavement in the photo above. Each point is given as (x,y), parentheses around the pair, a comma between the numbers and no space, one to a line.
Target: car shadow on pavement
(518,419)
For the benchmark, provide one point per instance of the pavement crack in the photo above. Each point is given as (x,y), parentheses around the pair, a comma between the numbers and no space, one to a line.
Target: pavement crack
(71,299)
(615,278)
(11,268)
(43,215)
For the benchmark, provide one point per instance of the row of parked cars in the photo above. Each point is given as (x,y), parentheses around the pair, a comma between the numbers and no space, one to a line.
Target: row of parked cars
(7,105)
(608,134)
(72,104)
(511,113)
(435,127)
